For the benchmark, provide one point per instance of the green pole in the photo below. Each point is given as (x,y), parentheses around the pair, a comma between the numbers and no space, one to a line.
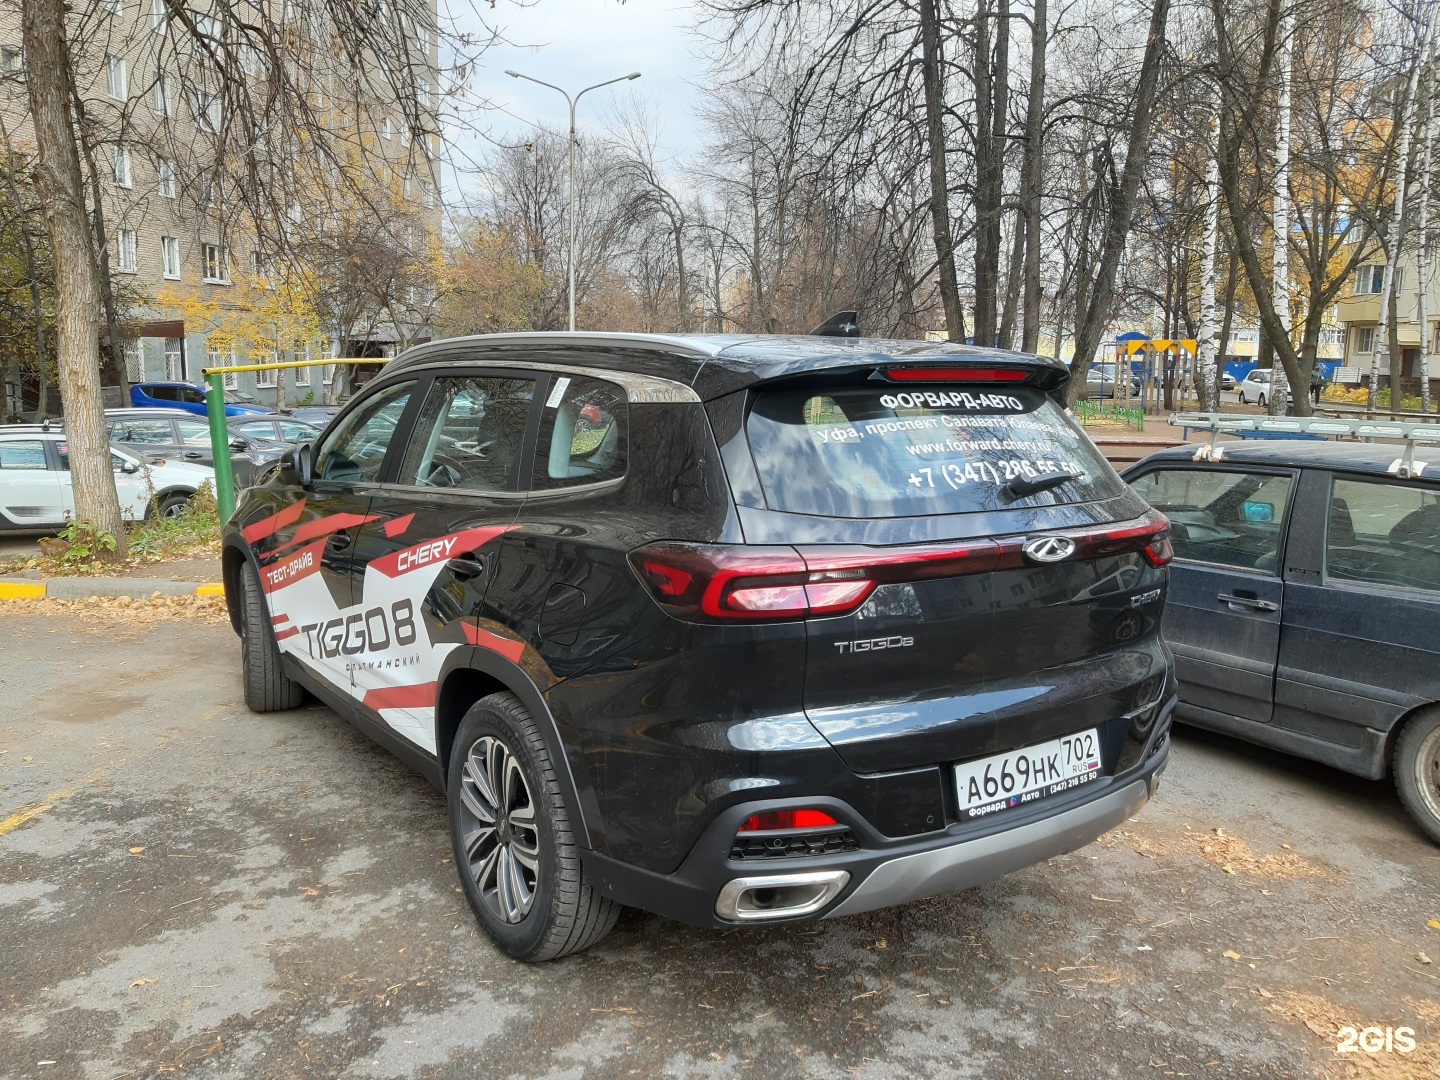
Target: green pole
(220,444)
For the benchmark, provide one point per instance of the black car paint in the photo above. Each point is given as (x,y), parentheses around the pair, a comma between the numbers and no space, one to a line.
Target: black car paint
(1333,672)
(671,731)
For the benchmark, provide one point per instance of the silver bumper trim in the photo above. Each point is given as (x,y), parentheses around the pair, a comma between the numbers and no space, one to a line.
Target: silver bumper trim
(974,862)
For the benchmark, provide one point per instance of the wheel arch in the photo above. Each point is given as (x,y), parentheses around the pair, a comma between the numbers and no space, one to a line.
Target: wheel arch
(1387,759)
(233,555)
(471,673)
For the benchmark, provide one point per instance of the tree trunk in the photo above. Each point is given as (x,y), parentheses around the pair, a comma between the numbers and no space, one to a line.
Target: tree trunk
(682,285)
(1207,386)
(1034,169)
(1395,236)
(77,293)
(992,103)
(100,239)
(932,67)
(1422,261)
(37,307)
(1012,285)
(1232,282)
(1280,219)
(1097,312)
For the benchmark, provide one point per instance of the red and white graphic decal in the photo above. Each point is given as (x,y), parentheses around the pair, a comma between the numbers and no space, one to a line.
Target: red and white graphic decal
(396,526)
(269,526)
(377,649)
(293,567)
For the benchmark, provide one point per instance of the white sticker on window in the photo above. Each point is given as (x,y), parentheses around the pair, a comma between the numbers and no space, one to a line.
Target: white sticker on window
(557,392)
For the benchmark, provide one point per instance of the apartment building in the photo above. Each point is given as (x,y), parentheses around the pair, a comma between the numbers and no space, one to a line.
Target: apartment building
(213,215)
(1359,311)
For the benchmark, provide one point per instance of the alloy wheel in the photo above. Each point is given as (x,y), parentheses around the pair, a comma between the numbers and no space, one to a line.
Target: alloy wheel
(498,830)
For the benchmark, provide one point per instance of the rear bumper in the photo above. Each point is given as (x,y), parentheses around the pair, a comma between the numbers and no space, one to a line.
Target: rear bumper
(974,862)
(886,875)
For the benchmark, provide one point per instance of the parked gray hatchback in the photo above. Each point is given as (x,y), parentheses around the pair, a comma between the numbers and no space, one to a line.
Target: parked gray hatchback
(1304,603)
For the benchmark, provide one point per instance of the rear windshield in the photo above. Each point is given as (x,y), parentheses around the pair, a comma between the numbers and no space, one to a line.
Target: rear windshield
(873,452)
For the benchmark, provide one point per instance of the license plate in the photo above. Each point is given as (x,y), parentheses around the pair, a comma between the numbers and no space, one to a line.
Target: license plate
(1022,776)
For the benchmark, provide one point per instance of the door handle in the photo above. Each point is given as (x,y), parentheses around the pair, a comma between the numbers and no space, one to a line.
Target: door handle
(1235,600)
(340,541)
(192,455)
(466,566)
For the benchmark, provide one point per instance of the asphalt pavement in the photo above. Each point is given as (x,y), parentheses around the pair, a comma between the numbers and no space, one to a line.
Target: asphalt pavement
(187,888)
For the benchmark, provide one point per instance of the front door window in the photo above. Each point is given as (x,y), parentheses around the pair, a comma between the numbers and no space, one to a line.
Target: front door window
(355,451)
(1229,519)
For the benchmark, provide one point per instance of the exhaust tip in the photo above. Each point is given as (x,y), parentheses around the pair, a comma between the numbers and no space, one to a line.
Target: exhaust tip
(779,896)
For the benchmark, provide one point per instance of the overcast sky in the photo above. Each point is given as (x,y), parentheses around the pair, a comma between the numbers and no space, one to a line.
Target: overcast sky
(575,43)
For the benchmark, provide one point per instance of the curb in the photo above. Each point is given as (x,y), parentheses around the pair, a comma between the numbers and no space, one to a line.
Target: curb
(79,588)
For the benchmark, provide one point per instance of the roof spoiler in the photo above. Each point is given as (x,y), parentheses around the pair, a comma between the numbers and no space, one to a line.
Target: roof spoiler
(841,324)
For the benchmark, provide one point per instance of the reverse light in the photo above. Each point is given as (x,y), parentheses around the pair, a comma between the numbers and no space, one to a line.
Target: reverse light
(786,819)
(957,373)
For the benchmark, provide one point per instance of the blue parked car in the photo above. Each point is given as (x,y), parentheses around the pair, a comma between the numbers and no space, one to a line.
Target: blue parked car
(1304,603)
(183,395)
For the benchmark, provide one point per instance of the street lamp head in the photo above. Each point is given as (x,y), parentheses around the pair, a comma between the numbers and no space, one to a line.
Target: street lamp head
(633,75)
(513,74)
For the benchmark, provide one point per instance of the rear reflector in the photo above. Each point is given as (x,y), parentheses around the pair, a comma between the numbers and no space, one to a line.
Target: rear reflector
(740,583)
(958,373)
(786,819)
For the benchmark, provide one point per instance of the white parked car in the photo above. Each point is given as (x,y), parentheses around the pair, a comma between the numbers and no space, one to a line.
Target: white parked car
(1255,388)
(35,486)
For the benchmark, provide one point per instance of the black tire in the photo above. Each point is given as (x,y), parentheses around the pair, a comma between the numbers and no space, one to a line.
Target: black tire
(172,505)
(1262,401)
(1417,771)
(267,687)
(564,913)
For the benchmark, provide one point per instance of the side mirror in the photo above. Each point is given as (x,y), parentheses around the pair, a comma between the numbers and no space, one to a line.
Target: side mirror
(239,444)
(297,465)
(129,467)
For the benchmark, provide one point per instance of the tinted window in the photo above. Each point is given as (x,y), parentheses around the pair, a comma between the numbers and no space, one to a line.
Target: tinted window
(295,431)
(116,461)
(149,432)
(190,394)
(160,393)
(1383,534)
(897,452)
(22,454)
(1230,518)
(582,433)
(194,432)
(468,434)
(355,452)
(256,429)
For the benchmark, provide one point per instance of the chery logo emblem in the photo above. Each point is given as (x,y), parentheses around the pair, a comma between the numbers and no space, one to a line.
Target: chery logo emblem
(1047,549)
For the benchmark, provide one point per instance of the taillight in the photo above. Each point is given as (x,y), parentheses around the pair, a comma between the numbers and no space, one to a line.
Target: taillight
(741,583)
(786,819)
(957,373)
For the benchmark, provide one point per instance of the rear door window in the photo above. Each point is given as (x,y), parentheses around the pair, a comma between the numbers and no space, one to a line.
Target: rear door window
(469,434)
(22,454)
(1228,518)
(194,432)
(863,452)
(1383,534)
(148,432)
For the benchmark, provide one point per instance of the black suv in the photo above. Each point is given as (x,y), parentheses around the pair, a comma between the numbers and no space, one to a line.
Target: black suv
(736,630)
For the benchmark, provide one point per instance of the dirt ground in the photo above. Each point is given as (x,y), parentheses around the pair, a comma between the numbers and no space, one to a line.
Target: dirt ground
(189,888)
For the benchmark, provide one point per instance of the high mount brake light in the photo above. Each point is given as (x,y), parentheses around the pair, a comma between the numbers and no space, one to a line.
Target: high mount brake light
(739,583)
(786,819)
(957,373)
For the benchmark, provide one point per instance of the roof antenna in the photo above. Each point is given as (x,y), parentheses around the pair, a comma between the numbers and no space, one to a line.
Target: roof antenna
(841,324)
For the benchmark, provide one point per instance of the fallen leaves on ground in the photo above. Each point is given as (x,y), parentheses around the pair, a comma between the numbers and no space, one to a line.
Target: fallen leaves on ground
(1229,853)
(1325,1019)
(136,613)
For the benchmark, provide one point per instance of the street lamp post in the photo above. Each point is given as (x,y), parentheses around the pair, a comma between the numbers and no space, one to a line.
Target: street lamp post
(572,102)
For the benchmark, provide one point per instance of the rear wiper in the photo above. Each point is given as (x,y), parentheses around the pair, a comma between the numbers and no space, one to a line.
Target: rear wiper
(1023,486)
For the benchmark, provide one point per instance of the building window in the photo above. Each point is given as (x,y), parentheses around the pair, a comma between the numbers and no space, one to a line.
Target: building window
(174,359)
(216,270)
(166,174)
(134,360)
(302,374)
(387,128)
(164,94)
(427,194)
(125,251)
(120,165)
(116,80)
(159,17)
(1369,279)
(170,256)
(216,357)
(113,7)
(266,380)
(1364,339)
(12,60)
